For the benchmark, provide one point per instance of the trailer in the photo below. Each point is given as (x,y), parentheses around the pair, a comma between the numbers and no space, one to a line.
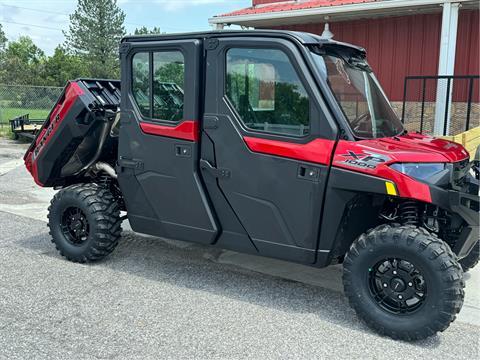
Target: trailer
(23,126)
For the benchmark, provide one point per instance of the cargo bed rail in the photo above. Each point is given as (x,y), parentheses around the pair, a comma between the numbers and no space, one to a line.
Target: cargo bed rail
(74,132)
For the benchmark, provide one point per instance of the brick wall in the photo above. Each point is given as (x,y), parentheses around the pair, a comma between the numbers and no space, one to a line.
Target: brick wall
(458,116)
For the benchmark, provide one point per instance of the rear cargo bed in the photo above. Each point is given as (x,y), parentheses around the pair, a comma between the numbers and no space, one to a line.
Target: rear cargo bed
(74,131)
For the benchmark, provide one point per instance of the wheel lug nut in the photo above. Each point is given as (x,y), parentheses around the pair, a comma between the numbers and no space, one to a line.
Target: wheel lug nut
(400,297)
(410,284)
(394,272)
(385,285)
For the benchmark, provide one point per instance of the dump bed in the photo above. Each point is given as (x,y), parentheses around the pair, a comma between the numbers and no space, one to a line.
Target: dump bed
(74,131)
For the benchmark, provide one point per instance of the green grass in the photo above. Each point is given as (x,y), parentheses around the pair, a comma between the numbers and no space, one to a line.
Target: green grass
(9,113)
(12,112)
(6,132)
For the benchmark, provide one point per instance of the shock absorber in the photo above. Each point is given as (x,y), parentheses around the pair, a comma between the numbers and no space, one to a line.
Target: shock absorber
(409,213)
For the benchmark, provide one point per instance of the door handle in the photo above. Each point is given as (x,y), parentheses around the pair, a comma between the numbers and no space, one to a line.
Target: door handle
(308,173)
(183,150)
(218,173)
(210,122)
(130,163)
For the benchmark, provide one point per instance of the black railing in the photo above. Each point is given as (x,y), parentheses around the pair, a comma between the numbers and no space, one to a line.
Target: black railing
(459,95)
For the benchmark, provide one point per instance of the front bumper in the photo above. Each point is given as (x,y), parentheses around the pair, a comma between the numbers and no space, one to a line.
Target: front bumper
(466,205)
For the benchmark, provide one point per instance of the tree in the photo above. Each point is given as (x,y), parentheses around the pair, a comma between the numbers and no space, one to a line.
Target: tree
(62,66)
(96,28)
(145,31)
(3,40)
(170,73)
(22,63)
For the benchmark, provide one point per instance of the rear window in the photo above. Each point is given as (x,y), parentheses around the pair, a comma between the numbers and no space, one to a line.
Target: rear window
(140,82)
(158,81)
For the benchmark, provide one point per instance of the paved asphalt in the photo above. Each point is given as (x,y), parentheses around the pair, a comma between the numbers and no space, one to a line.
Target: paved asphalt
(156,298)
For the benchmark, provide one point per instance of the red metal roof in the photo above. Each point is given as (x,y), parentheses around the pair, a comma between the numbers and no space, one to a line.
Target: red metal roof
(293,5)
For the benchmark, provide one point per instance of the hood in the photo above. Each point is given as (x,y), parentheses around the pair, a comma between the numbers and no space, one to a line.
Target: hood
(415,147)
(374,157)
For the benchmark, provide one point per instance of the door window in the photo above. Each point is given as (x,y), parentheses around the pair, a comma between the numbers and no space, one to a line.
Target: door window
(140,82)
(266,91)
(166,83)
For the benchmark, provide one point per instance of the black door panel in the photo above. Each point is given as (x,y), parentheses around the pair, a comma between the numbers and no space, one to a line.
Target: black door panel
(233,234)
(163,192)
(272,200)
(273,204)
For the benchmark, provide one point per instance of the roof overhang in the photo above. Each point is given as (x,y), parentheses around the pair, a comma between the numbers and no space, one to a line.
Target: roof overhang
(338,13)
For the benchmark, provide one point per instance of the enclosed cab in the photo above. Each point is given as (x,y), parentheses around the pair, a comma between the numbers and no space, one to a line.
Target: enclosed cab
(275,143)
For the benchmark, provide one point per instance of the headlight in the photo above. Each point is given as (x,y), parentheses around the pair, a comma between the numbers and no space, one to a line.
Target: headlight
(421,171)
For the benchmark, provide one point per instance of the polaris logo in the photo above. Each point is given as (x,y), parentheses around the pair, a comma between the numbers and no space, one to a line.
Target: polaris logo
(365,160)
(45,137)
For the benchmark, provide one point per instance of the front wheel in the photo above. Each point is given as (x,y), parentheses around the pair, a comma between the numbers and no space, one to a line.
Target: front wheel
(84,222)
(403,282)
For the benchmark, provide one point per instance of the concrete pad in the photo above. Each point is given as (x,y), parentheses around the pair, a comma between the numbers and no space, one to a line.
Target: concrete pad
(21,196)
(10,165)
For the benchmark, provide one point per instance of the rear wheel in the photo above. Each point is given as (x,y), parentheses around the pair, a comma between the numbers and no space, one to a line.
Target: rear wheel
(403,281)
(84,222)
(471,260)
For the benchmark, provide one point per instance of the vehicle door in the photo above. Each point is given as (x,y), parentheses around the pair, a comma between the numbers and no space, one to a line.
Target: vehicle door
(266,145)
(159,140)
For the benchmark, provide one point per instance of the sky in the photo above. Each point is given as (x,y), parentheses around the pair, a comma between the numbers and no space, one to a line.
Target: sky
(44,20)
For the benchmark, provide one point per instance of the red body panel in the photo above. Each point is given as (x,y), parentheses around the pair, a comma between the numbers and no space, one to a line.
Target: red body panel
(72,92)
(186,130)
(317,151)
(411,148)
(403,149)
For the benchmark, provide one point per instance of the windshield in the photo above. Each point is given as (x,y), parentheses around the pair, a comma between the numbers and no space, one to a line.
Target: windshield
(360,97)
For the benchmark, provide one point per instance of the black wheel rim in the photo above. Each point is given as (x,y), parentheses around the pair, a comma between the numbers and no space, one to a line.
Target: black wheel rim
(75,226)
(397,286)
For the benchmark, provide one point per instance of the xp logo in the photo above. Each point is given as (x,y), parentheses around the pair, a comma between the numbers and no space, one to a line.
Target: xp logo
(365,159)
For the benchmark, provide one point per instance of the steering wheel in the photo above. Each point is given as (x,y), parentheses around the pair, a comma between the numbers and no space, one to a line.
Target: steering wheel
(355,124)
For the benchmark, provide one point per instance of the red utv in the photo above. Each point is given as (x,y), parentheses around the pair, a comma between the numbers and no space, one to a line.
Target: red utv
(274,143)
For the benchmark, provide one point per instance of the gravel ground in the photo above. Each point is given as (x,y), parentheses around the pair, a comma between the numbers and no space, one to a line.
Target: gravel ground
(156,298)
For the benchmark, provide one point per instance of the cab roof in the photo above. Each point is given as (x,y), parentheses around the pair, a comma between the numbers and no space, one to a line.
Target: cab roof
(304,38)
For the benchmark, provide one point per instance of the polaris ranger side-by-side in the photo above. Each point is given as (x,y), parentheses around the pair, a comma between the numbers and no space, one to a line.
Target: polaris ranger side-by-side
(274,143)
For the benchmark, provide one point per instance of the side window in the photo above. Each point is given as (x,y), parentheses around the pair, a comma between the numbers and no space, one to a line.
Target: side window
(140,82)
(166,84)
(266,91)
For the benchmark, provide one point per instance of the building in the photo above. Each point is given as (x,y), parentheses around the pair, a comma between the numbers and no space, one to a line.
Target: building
(402,38)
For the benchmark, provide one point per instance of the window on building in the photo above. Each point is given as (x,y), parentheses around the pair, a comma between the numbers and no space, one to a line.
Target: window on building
(266,91)
(167,84)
